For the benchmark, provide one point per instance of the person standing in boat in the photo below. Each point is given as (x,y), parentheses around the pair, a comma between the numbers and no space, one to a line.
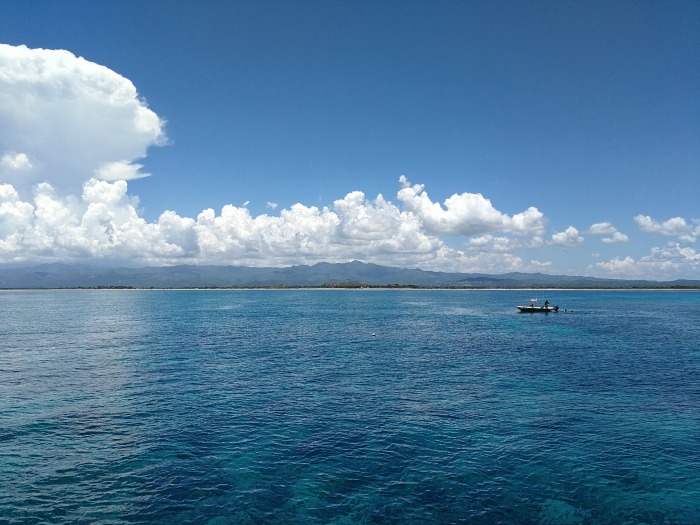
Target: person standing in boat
(546,304)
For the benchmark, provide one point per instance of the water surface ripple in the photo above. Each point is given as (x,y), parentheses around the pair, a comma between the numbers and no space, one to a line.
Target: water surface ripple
(349,407)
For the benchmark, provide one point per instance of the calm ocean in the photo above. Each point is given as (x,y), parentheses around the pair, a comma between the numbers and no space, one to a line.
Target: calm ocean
(349,407)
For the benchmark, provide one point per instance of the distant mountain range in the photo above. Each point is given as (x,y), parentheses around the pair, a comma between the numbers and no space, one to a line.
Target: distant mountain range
(351,274)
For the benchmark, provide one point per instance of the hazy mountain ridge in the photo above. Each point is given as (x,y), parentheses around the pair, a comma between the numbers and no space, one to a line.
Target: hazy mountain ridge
(60,275)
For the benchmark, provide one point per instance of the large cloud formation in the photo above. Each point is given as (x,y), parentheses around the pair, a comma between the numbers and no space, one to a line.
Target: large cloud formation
(72,131)
(103,223)
(66,119)
(71,136)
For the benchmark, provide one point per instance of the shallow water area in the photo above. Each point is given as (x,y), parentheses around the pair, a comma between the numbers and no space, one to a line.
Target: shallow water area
(349,406)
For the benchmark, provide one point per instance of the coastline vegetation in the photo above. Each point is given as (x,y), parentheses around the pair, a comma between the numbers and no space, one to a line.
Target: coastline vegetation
(360,286)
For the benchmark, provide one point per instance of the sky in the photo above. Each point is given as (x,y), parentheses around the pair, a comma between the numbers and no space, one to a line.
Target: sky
(470,136)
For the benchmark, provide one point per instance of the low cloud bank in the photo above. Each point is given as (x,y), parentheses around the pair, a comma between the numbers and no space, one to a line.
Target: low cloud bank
(103,223)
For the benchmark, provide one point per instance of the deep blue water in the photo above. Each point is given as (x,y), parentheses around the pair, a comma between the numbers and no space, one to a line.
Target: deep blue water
(257,407)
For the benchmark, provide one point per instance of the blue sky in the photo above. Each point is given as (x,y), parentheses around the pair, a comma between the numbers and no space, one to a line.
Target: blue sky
(561,137)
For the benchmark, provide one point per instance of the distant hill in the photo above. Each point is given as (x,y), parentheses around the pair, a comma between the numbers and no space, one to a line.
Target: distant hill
(59,275)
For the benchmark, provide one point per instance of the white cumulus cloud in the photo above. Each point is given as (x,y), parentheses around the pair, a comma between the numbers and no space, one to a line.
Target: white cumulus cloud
(466,214)
(569,237)
(617,266)
(610,234)
(675,227)
(103,223)
(64,120)
(615,238)
(675,254)
(15,162)
(490,243)
(662,263)
(602,228)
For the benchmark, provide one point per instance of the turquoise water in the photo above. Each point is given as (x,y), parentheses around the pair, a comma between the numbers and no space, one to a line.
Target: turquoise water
(257,407)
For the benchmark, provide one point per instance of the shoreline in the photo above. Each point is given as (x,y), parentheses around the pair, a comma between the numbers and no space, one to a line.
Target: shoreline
(351,288)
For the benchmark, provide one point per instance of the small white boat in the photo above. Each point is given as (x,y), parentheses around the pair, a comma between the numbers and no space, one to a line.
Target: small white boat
(533,308)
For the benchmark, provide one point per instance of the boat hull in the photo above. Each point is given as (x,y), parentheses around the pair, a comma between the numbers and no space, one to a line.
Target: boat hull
(537,309)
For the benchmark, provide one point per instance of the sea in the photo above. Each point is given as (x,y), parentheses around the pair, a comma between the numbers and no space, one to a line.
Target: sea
(368,406)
